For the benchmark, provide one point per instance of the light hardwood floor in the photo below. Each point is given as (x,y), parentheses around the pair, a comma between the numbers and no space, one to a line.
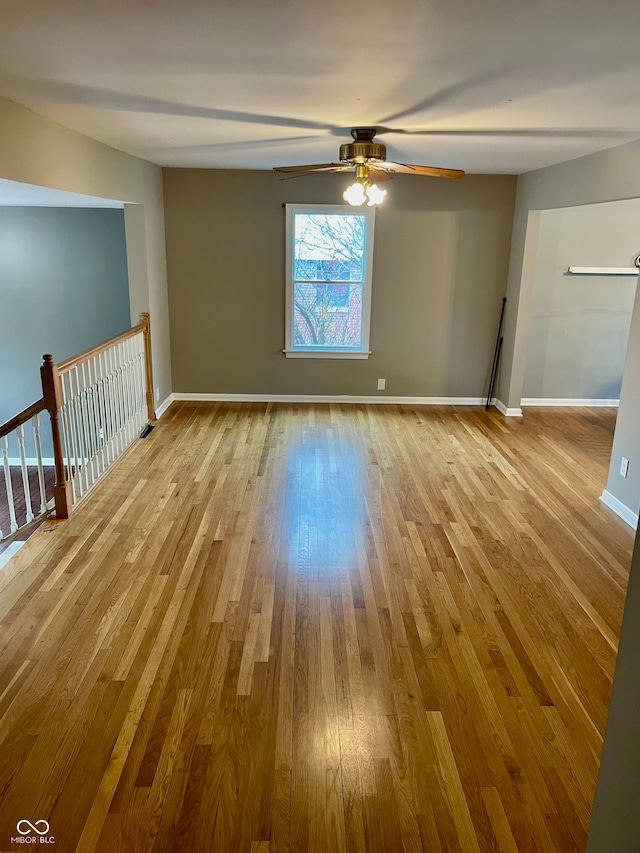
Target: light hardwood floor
(323,628)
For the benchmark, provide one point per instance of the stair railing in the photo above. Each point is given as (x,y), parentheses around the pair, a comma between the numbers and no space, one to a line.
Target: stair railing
(98,401)
(24,475)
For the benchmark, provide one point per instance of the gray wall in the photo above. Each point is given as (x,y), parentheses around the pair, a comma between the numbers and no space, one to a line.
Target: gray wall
(440,263)
(626,440)
(580,324)
(615,822)
(63,288)
(607,176)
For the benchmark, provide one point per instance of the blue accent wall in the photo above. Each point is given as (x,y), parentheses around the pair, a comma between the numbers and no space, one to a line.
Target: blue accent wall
(63,288)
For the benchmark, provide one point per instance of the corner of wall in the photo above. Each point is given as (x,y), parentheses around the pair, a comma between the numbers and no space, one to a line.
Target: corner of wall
(509,412)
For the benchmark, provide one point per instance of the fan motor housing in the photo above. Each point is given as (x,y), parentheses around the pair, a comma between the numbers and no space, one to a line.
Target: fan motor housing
(360,152)
(363,148)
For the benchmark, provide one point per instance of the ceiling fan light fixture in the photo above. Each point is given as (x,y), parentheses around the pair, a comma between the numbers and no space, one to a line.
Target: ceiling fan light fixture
(362,191)
(355,194)
(367,157)
(375,195)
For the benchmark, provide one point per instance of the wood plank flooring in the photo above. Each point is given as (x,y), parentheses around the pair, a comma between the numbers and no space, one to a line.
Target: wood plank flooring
(319,628)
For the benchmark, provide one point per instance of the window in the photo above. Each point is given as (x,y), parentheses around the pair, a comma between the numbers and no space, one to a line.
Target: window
(329,262)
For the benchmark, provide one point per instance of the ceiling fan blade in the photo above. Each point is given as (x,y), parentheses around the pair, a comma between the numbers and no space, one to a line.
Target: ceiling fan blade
(312,171)
(378,175)
(429,171)
(296,175)
(315,167)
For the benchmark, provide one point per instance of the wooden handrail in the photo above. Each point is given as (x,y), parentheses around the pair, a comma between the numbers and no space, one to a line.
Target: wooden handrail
(80,358)
(22,418)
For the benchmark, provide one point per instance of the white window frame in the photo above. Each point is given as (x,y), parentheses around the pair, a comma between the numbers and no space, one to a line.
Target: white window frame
(292,351)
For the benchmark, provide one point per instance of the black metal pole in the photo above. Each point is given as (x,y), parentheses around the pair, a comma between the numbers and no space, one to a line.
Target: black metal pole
(498,351)
(496,356)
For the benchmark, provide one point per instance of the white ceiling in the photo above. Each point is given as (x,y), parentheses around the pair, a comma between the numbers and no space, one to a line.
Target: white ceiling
(500,86)
(15,194)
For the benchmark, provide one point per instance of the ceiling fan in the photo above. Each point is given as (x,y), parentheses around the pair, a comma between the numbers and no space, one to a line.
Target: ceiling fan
(369,159)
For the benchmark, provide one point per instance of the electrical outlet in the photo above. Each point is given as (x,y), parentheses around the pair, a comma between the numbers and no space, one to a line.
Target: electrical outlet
(624,467)
(382,384)
(157,395)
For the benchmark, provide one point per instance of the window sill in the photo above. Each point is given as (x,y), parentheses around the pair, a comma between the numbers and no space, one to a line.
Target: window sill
(323,354)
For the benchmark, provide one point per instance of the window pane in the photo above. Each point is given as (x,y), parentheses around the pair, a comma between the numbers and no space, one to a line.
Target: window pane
(327,315)
(329,247)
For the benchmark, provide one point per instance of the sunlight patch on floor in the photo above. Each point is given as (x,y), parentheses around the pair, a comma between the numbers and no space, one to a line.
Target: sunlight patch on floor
(8,553)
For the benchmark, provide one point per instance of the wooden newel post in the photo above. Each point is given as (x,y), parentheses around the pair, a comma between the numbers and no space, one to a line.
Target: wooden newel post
(53,401)
(145,320)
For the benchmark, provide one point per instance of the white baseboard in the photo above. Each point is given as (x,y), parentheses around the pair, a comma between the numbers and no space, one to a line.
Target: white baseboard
(620,509)
(560,401)
(515,412)
(194,396)
(327,398)
(164,405)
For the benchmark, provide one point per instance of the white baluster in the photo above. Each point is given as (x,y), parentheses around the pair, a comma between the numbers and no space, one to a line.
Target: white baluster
(25,474)
(109,407)
(143,381)
(125,394)
(7,480)
(93,421)
(129,387)
(86,450)
(132,386)
(100,399)
(138,383)
(142,397)
(35,421)
(86,381)
(91,427)
(67,426)
(115,384)
(84,412)
(135,387)
(84,431)
(97,427)
(76,431)
(122,362)
(117,388)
